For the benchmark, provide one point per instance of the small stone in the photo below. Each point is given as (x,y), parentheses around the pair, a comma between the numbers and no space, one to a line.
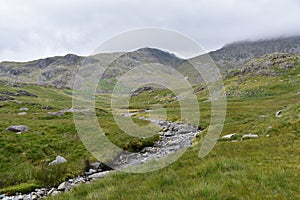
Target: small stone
(58,160)
(17,128)
(229,136)
(24,109)
(64,186)
(55,193)
(92,171)
(261,116)
(169,134)
(95,165)
(51,191)
(22,113)
(99,175)
(250,136)
(278,114)
(46,107)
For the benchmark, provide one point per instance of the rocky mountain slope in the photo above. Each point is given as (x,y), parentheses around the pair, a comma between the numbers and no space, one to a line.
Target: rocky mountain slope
(235,55)
(58,71)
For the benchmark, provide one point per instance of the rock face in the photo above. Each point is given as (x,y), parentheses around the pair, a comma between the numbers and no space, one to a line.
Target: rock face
(17,128)
(58,160)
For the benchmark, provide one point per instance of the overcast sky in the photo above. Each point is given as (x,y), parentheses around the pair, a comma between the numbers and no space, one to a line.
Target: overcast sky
(34,29)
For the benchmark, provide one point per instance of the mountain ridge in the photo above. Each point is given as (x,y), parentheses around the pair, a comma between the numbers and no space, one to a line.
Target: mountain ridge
(58,70)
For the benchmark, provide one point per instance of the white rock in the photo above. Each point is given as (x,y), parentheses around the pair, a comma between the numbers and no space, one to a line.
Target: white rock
(24,109)
(58,160)
(229,136)
(99,175)
(250,135)
(22,113)
(63,186)
(92,171)
(51,191)
(278,113)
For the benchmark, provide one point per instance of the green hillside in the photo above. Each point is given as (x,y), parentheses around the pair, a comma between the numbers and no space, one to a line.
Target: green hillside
(263,168)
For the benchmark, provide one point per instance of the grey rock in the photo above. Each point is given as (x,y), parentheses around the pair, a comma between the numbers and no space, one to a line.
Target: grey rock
(22,113)
(58,160)
(51,191)
(58,113)
(92,171)
(55,193)
(169,134)
(95,165)
(64,186)
(6,98)
(24,109)
(99,175)
(46,107)
(17,128)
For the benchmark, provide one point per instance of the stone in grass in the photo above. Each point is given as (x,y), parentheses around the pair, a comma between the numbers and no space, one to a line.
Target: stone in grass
(227,137)
(24,109)
(22,113)
(17,128)
(58,160)
(249,136)
(278,114)
(98,175)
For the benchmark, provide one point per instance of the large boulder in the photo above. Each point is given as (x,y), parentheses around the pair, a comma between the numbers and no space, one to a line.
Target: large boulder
(58,160)
(17,128)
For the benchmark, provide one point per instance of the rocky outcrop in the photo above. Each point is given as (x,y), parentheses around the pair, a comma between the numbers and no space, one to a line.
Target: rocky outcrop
(270,65)
(235,55)
(141,90)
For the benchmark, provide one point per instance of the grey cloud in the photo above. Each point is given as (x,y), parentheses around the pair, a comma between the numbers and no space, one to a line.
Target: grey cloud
(33,29)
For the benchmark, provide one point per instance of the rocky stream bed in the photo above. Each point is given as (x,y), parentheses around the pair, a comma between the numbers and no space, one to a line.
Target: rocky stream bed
(173,136)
